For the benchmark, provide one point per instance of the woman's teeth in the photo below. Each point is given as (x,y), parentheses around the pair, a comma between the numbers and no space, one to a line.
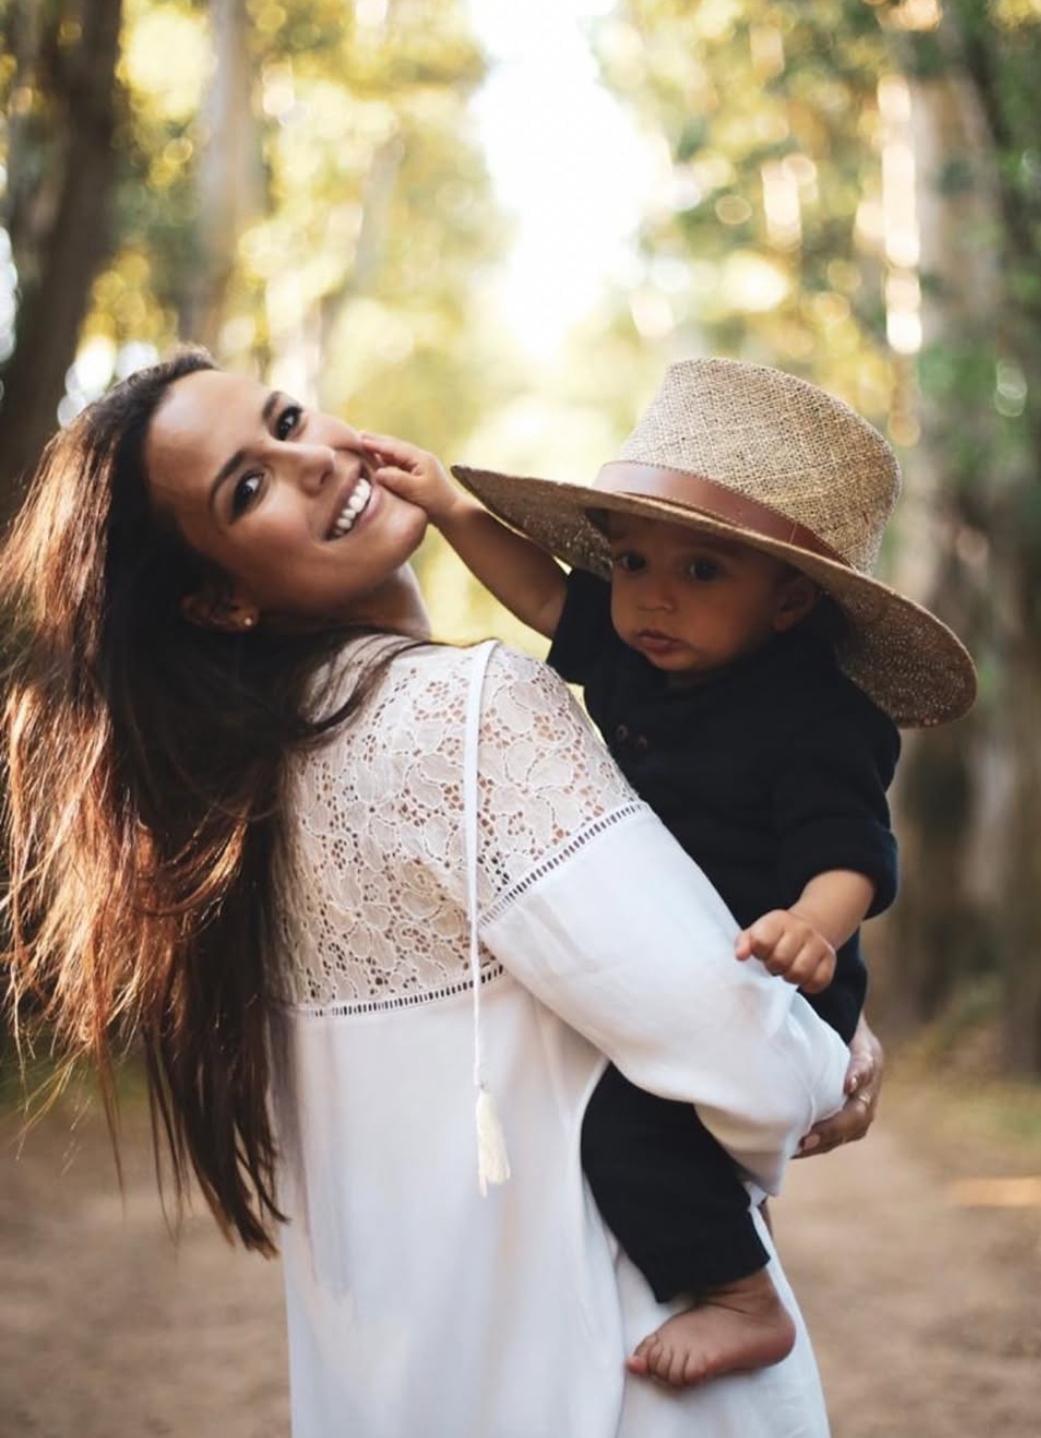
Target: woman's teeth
(360,496)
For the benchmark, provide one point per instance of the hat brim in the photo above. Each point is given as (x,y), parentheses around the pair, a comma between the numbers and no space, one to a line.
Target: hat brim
(900,654)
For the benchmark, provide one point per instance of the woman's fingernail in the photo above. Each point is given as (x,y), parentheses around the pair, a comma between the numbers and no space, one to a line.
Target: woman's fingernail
(809,1143)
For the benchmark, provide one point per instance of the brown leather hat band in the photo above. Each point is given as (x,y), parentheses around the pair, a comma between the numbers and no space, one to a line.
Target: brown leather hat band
(716,501)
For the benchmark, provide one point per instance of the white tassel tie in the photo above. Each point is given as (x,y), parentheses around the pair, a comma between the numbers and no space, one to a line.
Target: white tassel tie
(493,1163)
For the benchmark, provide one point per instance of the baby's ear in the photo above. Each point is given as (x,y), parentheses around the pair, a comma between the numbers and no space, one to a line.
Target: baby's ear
(795,598)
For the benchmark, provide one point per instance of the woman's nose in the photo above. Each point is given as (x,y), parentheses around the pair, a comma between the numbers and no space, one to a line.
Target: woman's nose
(315,464)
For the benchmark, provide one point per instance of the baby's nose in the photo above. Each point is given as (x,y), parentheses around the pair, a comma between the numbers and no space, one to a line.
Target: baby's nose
(656,596)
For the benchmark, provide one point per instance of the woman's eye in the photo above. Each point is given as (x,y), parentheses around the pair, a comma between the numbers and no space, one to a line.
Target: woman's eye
(287,421)
(627,562)
(704,569)
(245,493)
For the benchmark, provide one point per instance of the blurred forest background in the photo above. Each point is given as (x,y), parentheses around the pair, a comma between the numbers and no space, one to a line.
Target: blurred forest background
(849,189)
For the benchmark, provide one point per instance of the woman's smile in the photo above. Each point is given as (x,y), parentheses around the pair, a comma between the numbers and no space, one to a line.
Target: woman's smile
(357,496)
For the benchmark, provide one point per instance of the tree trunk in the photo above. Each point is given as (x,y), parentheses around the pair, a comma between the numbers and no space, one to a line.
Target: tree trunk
(377,199)
(230,177)
(1019,907)
(1012,133)
(79,82)
(937,931)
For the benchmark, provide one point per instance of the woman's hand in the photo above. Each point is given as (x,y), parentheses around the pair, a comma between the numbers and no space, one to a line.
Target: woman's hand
(863,1086)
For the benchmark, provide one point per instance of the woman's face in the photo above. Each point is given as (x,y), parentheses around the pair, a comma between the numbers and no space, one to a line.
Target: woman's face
(282,500)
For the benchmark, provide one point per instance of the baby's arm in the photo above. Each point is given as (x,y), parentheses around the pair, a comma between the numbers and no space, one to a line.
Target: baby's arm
(799,943)
(522,576)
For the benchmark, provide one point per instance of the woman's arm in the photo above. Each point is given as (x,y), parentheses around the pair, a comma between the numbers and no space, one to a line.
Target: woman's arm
(602,915)
(627,941)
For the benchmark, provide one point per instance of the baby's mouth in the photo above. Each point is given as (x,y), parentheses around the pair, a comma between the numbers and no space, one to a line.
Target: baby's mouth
(656,645)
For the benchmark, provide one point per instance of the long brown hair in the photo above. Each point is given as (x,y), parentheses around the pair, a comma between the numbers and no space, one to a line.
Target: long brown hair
(144,760)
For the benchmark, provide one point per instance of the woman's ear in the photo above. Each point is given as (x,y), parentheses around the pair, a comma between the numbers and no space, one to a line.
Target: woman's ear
(231,615)
(796,596)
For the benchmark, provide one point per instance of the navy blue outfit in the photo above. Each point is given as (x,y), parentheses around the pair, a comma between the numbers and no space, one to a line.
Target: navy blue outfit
(768,772)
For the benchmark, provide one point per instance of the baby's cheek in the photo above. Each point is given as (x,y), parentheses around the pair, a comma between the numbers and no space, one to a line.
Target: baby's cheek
(618,608)
(623,602)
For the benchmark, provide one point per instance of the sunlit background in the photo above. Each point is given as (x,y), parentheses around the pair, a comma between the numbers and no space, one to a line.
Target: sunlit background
(488,225)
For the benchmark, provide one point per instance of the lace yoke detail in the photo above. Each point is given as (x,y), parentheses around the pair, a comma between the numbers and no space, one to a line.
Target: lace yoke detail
(372,892)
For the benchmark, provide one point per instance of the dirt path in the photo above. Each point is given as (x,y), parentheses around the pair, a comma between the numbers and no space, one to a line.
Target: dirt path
(107,1330)
(927,1317)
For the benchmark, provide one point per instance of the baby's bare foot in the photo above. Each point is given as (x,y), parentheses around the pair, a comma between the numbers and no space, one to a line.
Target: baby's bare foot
(732,1329)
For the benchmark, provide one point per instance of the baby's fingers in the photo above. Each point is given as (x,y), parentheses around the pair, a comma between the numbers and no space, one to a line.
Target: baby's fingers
(403,454)
(401,482)
(762,936)
(752,944)
(816,983)
(818,971)
(802,968)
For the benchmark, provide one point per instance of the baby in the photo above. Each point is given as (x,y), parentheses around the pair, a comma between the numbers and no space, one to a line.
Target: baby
(746,672)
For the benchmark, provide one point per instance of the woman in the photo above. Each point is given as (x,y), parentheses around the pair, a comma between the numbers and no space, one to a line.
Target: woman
(250,810)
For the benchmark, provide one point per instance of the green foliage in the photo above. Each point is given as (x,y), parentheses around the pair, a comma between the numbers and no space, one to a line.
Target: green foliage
(365,229)
(770,111)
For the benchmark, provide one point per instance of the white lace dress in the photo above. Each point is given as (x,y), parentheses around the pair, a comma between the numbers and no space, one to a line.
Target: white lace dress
(417,1307)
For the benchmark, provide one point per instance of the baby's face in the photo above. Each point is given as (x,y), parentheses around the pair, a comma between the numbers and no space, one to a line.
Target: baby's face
(690,603)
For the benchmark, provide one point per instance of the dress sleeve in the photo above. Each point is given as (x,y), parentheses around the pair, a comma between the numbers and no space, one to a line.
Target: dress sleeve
(829,801)
(596,909)
(584,630)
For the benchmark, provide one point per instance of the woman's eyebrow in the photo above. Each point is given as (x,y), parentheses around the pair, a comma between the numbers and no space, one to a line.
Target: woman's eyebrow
(231,465)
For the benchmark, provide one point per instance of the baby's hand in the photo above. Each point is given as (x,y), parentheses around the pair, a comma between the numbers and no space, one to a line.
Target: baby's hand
(413,473)
(789,946)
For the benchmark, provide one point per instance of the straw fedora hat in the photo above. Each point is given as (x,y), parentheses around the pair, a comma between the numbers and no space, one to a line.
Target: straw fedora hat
(756,456)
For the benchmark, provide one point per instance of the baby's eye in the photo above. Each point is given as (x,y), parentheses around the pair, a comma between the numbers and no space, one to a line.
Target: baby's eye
(627,562)
(288,421)
(245,493)
(704,569)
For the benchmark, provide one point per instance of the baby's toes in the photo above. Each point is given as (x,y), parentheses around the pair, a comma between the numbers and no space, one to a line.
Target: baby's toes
(660,1360)
(639,1359)
(657,1357)
(673,1372)
(693,1370)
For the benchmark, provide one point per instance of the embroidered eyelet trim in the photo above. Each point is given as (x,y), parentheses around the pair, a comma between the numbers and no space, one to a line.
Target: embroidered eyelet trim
(561,856)
(372,907)
(402,1001)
